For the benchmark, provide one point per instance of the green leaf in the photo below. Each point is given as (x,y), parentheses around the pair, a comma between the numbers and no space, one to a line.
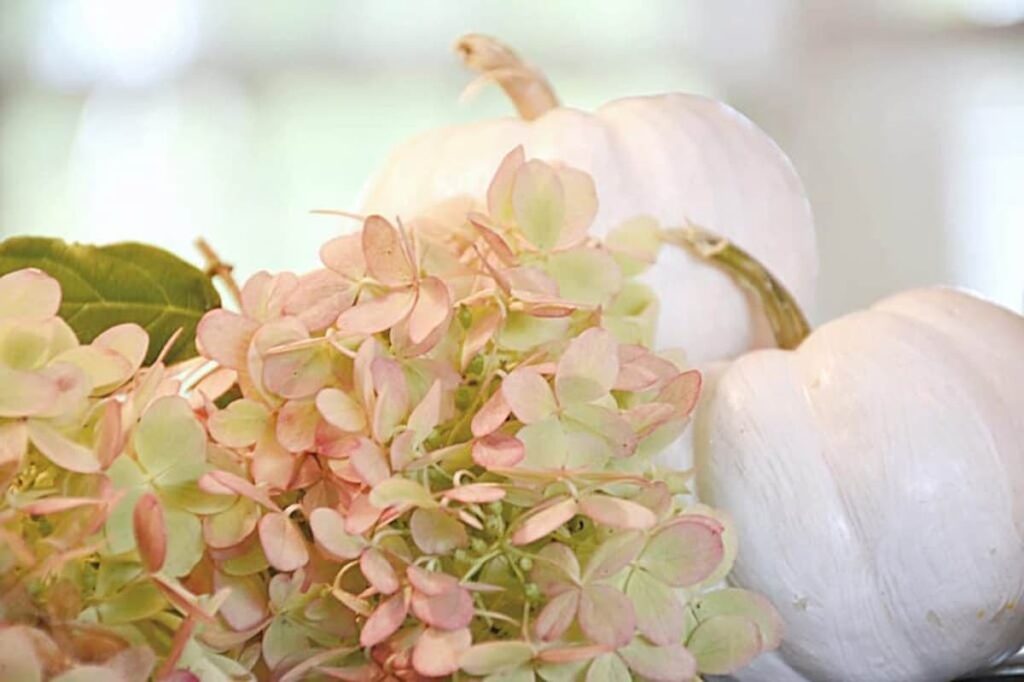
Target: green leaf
(127,282)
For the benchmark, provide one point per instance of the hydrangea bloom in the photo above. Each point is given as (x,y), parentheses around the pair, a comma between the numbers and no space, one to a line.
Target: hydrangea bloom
(437,462)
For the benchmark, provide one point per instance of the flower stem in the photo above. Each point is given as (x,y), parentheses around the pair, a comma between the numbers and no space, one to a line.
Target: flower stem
(788,323)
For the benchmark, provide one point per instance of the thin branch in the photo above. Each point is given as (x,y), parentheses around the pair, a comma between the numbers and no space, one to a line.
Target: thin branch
(215,267)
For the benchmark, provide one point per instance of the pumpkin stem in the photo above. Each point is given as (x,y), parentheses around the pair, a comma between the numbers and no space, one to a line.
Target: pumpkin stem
(788,323)
(527,87)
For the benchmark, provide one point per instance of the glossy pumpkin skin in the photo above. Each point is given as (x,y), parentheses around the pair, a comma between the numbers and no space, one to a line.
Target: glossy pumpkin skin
(675,157)
(876,478)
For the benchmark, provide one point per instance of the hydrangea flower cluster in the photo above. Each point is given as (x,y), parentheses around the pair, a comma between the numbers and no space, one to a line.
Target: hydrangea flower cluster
(430,458)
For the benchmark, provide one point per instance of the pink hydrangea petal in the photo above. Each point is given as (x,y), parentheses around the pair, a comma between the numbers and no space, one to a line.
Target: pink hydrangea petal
(282,542)
(130,341)
(588,368)
(432,309)
(384,250)
(528,395)
(557,615)
(61,450)
(686,551)
(532,284)
(539,524)
(344,255)
(13,444)
(606,615)
(449,610)
(492,415)
(427,414)
(362,515)
(437,652)
(272,466)
(616,512)
(556,570)
(499,193)
(328,526)
(340,410)
(403,450)
(481,332)
(56,505)
(224,336)
(246,607)
(475,493)
(30,294)
(392,404)
(580,205)
(216,383)
(499,247)
(369,462)
(498,451)
(232,483)
(430,583)
(659,663)
(264,295)
(403,346)
(296,425)
(640,370)
(384,621)
(683,392)
(320,298)
(150,532)
(378,571)
(298,373)
(378,314)
(25,393)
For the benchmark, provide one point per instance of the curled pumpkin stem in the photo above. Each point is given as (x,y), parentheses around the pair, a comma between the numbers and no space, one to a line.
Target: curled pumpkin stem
(789,325)
(527,87)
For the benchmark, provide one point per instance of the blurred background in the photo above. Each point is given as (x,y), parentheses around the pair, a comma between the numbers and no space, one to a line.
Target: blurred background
(165,120)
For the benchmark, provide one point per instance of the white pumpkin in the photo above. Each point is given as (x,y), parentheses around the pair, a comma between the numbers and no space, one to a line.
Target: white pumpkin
(876,478)
(676,157)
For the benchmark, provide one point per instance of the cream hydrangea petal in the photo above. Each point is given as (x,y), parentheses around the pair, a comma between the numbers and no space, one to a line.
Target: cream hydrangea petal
(30,294)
